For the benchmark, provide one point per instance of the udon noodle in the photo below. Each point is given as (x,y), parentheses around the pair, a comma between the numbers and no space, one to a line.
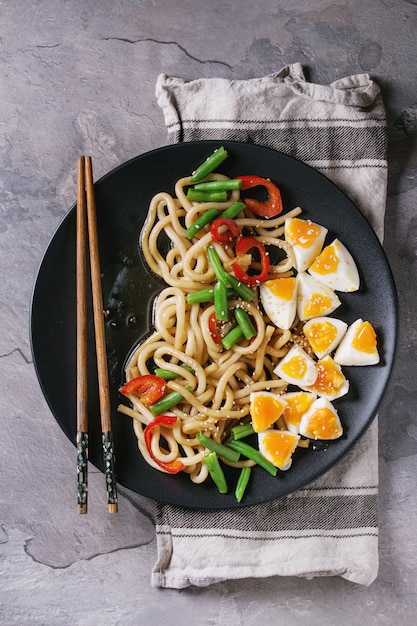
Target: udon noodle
(215,383)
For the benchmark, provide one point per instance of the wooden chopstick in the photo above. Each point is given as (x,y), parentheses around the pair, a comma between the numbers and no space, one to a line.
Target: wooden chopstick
(82,415)
(100,338)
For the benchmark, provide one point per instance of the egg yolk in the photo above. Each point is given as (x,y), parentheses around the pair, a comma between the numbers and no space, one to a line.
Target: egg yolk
(326,262)
(321,335)
(279,445)
(295,367)
(316,305)
(365,338)
(265,410)
(324,424)
(296,407)
(302,232)
(329,378)
(283,288)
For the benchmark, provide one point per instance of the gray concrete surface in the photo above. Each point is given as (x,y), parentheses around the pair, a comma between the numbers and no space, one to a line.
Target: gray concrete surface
(79,78)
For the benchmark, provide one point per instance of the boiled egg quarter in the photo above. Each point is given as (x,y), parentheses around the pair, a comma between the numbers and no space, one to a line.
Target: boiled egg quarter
(297,367)
(306,239)
(265,409)
(278,446)
(358,346)
(314,299)
(330,382)
(324,334)
(335,267)
(321,421)
(297,404)
(279,300)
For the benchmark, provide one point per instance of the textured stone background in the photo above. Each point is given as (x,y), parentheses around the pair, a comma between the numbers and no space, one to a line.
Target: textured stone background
(79,78)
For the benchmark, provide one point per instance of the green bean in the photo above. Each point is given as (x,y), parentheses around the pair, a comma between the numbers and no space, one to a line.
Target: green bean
(207,217)
(216,472)
(209,165)
(218,448)
(254,455)
(242,430)
(206,196)
(168,375)
(242,483)
(232,338)
(233,210)
(167,402)
(245,323)
(245,292)
(202,295)
(206,295)
(219,185)
(217,266)
(210,215)
(221,307)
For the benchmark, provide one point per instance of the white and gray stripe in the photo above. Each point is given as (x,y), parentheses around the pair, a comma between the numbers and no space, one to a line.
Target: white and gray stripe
(311,143)
(327,512)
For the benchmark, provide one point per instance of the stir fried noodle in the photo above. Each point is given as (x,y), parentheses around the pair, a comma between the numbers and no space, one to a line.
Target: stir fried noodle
(214,383)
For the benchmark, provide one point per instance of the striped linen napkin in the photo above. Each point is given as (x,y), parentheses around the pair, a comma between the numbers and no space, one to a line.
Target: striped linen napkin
(329,528)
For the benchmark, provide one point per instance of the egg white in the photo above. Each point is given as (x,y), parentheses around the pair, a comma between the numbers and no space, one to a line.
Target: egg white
(289,398)
(279,405)
(297,355)
(347,354)
(330,393)
(305,424)
(280,311)
(345,276)
(305,254)
(265,452)
(315,327)
(309,288)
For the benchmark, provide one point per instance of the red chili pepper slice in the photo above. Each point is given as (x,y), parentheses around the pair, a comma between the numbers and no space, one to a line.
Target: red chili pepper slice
(229,235)
(244,245)
(214,328)
(270,207)
(219,329)
(172,467)
(150,387)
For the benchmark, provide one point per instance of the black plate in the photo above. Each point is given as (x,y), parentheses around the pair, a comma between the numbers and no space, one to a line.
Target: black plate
(122,198)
